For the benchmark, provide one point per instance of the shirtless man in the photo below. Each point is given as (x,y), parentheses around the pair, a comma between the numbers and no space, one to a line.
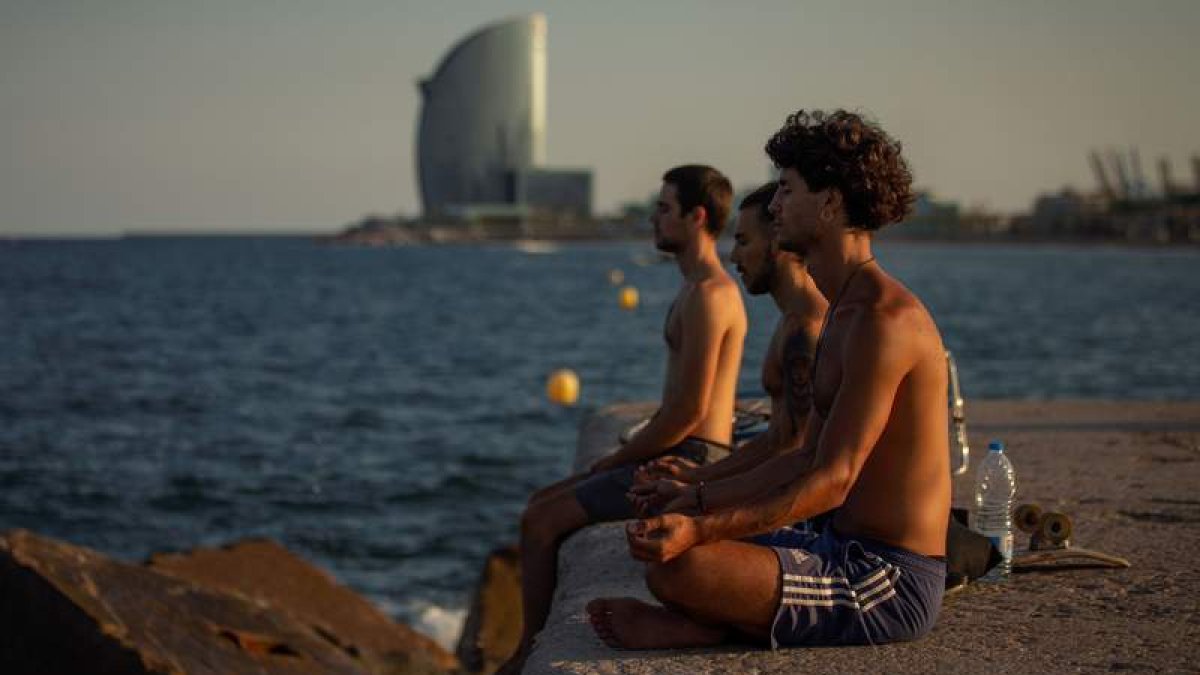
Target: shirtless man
(878,431)
(787,367)
(705,329)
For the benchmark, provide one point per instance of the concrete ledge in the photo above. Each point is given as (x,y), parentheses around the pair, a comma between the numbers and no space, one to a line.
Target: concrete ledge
(1127,473)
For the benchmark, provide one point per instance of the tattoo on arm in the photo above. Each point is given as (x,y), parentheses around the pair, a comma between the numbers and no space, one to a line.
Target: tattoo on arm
(797,377)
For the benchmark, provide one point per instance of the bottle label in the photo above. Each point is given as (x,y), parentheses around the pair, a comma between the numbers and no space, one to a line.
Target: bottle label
(1003,544)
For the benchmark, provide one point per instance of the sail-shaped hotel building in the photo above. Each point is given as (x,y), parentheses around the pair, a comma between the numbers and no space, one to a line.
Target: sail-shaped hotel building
(481,139)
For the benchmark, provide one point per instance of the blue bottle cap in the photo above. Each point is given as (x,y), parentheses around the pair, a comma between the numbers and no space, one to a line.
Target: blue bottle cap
(995,446)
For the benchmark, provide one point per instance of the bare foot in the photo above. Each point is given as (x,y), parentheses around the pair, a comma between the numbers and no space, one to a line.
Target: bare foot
(629,623)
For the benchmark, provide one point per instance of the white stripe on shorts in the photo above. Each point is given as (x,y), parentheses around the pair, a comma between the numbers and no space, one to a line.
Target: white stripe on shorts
(816,580)
(886,596)
(866,594)
(806,602)
(872,579)
(882,586)
(819,592)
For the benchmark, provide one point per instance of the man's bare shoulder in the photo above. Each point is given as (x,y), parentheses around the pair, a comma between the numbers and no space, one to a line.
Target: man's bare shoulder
(797,327)
(719,282)
(716,295)
(897,323)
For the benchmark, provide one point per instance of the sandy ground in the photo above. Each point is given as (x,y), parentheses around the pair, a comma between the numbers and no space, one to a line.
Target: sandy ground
(1128,473)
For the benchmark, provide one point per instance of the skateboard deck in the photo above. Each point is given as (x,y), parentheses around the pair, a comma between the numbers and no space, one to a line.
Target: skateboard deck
(1050,546)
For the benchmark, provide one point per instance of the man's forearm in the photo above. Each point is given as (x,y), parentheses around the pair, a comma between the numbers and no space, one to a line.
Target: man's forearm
(625,456)
(754,452)
(750,486)
(636,453)
(771,443)
(659,435)
(812,493)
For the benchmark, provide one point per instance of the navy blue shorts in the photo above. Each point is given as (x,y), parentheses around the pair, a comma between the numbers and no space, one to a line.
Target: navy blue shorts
(603,495)
(850,590)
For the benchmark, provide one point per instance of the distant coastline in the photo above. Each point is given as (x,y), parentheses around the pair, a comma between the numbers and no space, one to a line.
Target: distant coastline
(1108,217)
(381,232)
(410,233)
(449,236)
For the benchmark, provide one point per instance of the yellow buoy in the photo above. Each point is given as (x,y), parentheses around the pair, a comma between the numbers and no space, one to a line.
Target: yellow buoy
(616,277)
(628,298)
(562,387)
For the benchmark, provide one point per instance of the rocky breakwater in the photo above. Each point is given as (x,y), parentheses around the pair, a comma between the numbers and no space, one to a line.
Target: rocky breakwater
(252,607)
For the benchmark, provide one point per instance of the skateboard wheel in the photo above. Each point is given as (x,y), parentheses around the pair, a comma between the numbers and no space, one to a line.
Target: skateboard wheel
(1027,518)
(1055,528)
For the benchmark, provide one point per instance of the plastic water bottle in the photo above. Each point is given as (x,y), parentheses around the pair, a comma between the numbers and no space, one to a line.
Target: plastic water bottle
(995,486)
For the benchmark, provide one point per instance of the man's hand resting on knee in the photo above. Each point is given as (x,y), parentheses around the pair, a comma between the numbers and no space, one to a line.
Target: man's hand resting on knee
(662,538)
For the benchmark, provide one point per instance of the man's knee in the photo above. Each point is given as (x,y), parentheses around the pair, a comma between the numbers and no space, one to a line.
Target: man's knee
(533,521)
(545,522)
(543,492)
(672,582)
(536,497)
(553,490)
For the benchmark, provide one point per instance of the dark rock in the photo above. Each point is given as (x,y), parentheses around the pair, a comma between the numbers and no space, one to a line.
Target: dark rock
(68,609)
(269,574)
(493,626)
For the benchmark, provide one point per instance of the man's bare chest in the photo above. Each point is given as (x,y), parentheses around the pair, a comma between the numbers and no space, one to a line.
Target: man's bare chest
(827,369)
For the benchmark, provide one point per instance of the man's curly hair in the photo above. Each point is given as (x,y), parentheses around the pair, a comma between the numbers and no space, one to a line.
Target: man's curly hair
(842,150)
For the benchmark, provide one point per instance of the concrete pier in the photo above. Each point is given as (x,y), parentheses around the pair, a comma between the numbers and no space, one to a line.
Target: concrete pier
(1128,473)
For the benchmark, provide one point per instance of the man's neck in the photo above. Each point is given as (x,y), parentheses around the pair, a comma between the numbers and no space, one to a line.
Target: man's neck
(698,258)
(794,291)
(833,259)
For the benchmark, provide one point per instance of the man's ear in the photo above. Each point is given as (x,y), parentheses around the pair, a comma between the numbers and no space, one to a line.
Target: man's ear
(698,215)
(832,199)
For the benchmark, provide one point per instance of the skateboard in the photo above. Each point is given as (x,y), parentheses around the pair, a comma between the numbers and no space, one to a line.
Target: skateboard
(1050,544)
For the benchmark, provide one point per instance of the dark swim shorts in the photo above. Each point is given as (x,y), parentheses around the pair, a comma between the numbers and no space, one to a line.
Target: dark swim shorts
(840,590)
(603,494)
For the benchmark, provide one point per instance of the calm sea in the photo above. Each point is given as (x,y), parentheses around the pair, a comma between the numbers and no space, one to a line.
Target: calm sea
(381,411)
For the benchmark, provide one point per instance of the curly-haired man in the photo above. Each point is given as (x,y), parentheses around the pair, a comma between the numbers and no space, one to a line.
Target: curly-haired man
(876,443)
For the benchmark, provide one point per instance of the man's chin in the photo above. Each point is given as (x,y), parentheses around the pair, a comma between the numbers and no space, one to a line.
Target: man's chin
(791,246)
(754,286)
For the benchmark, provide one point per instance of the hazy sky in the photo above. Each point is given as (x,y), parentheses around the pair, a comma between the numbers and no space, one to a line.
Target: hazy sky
(301,114)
